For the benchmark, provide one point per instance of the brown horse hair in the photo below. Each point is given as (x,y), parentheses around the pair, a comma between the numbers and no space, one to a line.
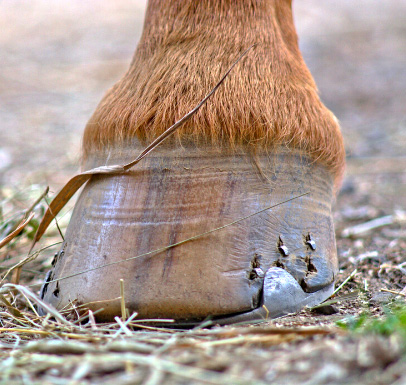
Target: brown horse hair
(269,99)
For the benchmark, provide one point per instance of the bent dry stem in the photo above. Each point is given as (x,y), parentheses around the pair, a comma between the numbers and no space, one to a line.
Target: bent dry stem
(79,180)
(175,244)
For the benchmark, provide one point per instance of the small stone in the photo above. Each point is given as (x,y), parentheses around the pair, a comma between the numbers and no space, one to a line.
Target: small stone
(382,298)
(325,310)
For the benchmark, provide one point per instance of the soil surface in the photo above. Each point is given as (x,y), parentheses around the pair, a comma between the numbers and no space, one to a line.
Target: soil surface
(58,59)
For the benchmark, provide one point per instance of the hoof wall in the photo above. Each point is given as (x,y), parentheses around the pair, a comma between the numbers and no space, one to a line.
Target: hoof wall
(258,264)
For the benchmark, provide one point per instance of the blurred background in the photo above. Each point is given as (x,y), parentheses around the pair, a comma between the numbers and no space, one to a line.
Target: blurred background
(57,59)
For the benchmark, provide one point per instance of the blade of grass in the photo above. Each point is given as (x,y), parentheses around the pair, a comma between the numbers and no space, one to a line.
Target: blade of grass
(17,231)
(22,289)
(175,244)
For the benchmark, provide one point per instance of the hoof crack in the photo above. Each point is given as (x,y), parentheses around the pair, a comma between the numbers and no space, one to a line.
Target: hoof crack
(278,263)
(55,293)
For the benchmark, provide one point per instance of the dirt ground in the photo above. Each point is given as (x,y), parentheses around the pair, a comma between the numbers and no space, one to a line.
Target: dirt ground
(58,58)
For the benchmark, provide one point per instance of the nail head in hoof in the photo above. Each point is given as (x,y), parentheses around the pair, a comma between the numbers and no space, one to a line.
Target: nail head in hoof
(310,242)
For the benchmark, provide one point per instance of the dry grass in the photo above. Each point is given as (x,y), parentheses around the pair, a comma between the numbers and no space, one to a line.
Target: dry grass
(70,347)
(357,55)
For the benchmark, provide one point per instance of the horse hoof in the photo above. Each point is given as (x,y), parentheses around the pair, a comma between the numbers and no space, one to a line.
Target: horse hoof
(281,258)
